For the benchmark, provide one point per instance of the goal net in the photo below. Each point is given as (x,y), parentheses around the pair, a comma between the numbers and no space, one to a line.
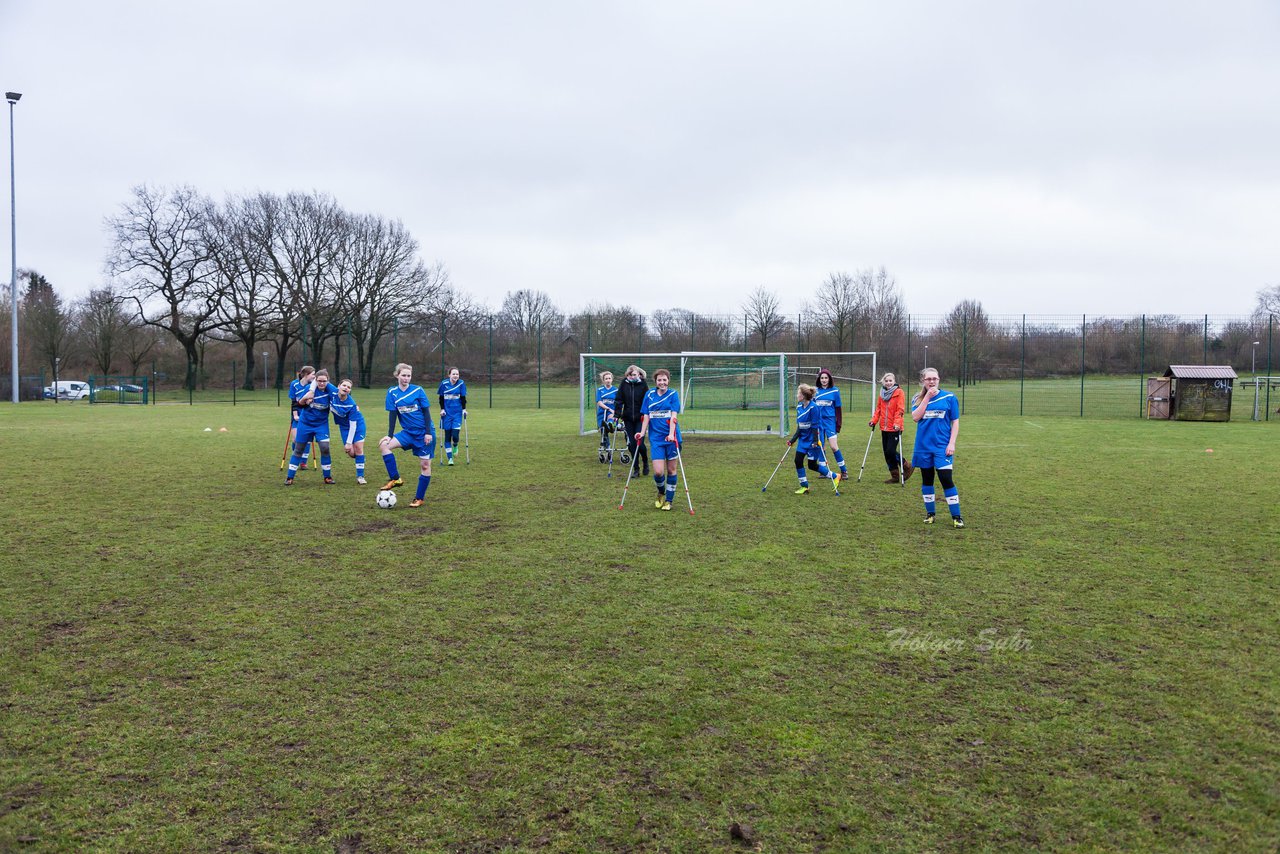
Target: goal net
(732,392)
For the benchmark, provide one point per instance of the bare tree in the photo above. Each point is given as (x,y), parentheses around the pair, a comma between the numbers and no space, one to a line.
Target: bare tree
(250,309)
(103,323)
(159,254)
(839,302)
(966,330)
(882,312)
(309,231)
(1268,304)
(607,327)
(762,316)
(526,313)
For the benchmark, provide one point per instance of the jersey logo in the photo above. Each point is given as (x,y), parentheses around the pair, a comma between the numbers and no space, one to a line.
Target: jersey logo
(935,413)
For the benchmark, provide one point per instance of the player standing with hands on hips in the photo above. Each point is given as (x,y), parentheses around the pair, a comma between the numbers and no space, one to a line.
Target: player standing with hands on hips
(453,409)
(411,404)
(937,413)
(659,412)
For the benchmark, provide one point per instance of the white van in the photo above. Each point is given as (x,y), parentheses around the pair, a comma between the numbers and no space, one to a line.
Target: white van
(67,390)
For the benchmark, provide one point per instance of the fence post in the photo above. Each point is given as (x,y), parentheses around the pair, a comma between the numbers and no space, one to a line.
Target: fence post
(907,391)
(1142,368)
(1205,358)
(442,345)
(539,365)
(964,357)
(1022,369)
(1271,325)
(589,333)
(233,382)
(491,361)
(1082,322)
(693,325)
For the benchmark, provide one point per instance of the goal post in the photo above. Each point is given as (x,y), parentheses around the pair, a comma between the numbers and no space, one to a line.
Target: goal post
(730,392)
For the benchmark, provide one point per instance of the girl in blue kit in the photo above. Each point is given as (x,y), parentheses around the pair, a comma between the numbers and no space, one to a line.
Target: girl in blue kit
(297,388)
(937,413)
(808,438)
(606,411)
(452,394)
(659,412)
(313,425)
(349,420)
(827,399)
(411,405)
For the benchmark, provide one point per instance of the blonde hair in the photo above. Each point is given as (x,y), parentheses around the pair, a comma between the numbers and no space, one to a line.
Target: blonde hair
(323,372)
(933,371)
(604,374)
(400,367)
(639,370)
(805,391)
(889,375)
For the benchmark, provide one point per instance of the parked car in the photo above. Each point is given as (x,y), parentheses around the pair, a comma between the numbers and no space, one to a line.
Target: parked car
(67,390)
(124,387)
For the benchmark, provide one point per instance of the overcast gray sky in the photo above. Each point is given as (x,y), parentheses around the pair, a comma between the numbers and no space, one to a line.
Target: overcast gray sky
(1082,157)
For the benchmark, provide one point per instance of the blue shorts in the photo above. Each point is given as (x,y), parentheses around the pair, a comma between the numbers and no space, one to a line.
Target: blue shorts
(417,445)
(342,432)
(930,460)
(307,434)
(451,422)
(661,449)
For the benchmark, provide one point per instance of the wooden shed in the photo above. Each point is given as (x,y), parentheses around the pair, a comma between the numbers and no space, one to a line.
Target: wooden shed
(1200,392)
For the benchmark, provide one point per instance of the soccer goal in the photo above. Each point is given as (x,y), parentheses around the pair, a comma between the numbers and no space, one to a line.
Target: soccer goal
(728,393)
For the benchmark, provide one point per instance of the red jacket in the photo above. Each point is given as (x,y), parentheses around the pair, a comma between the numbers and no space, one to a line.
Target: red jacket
(888,414)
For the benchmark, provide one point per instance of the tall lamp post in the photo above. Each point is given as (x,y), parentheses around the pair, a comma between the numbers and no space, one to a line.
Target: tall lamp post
(264,370)
(12,98)
(1253,369)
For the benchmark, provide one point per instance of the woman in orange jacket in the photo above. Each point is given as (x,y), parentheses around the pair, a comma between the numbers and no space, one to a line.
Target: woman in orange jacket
(888,417)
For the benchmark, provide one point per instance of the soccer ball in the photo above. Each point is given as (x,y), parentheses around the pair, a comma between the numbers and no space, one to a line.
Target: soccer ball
(386,499)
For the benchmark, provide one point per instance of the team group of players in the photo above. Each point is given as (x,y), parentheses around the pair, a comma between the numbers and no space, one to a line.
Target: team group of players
(819,418)
(314,398)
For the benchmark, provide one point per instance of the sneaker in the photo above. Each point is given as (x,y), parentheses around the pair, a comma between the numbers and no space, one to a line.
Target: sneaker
(450,461)
(361,481)
(657,503)
(835,476)
(928,518)
(804,490)
(417,502)
(329,481)
(844,475)
(957,522)
(666,505)
(393,483)
(288,481)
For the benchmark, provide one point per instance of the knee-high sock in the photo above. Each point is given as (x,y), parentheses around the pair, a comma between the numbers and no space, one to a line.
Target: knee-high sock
(424,480)
(294,462)
(393,471)
(929,506)
(804,478)
(953,500)
(660,482)
(326,463)
(840,460)
(671,486)
(359,465)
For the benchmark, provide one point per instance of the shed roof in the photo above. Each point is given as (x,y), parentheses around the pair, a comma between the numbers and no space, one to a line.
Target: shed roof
(1201,372)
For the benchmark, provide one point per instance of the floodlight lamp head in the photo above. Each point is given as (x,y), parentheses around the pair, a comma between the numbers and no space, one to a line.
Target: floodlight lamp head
(13,97)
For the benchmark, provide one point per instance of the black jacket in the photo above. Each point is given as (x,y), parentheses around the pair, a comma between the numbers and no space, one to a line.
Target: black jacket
(630,396)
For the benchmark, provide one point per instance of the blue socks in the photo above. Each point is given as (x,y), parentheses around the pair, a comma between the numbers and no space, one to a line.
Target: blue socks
(424,480)
(953,501)
(804,478)
(359,465)
(840,460)
(929,506)
(671,487)
(393,471)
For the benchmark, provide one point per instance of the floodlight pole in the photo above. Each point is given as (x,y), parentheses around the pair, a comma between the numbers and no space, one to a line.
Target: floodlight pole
(12,98)
(1253,369)
(264,370)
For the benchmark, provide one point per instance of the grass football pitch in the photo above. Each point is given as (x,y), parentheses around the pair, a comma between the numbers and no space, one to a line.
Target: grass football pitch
(193,658)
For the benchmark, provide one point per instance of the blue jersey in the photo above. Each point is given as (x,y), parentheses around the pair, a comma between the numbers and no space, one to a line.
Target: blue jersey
(808,426)
(661,409)
(933,432)
(347,415)
(414,409)
(452,393)
(609,395)
(297,389)
(826,400)
(316,413)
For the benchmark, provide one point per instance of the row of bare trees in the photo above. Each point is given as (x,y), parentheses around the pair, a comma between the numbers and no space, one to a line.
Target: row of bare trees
(268,269)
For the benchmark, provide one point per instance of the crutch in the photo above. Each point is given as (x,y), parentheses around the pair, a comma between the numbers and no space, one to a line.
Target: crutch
(609,426)
(683,477)
(466,434)
(835,481)
(284,455)
(902,464)
(864,453)
(775,468)
(630,472)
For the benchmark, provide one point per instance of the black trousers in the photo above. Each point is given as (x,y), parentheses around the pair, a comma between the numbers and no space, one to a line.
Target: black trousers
(889,443)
